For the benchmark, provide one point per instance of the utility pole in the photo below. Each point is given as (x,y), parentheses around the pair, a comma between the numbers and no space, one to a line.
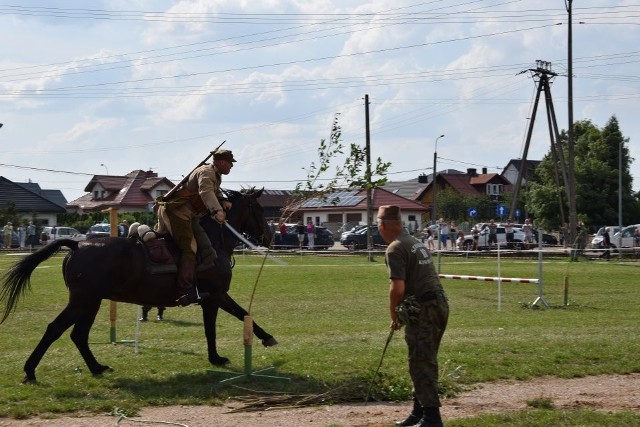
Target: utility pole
(368,177)
(433,182)
(542,74)
(571,184)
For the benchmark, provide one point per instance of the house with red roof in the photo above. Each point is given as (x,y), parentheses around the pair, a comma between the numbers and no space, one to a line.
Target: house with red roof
(350,207)
(133,192)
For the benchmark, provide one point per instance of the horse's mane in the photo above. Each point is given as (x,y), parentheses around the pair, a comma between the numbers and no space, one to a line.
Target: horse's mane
(234,194)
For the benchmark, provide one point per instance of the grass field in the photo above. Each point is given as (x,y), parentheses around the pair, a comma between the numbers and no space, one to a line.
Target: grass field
(331,319)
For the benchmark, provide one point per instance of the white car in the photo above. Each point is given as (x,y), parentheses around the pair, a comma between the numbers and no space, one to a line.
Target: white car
(596,242)
(54,233)
(501,236)
(627,235)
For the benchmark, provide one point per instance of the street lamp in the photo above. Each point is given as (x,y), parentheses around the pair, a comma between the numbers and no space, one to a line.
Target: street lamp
(105,167)
(433,181)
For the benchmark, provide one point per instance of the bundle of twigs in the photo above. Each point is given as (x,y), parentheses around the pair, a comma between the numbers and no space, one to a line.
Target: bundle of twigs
(262,401)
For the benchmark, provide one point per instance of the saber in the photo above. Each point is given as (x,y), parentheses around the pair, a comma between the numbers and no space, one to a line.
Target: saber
(252,246)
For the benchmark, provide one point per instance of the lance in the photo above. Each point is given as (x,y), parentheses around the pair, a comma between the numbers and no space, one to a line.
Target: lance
(177,187)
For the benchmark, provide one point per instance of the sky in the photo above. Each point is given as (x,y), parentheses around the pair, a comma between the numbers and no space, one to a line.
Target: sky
(108,87)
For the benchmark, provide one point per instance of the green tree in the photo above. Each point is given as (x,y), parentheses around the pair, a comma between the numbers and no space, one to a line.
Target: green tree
(597,171)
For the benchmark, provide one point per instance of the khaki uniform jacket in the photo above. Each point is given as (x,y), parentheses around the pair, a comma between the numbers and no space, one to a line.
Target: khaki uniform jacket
(206,181)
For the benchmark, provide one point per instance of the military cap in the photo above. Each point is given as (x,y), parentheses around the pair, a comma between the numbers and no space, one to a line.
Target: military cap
(222,154)
(389,212)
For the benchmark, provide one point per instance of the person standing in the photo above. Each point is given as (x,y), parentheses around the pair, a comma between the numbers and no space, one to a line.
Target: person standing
(301,230)
(31,235)
(22,236)
(311,233)
(7,231)
(564,235)
(413,281)
(527,229)
(444,234)
(508,231)
(453,235)
(200,194)
(283,233)
(493,236)
(475,235)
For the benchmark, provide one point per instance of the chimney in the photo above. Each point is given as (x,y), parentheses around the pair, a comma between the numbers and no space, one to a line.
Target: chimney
(423,179)
(484,171)
(472,172)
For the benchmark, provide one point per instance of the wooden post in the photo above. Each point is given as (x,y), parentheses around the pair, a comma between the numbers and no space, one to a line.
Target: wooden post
(113,306)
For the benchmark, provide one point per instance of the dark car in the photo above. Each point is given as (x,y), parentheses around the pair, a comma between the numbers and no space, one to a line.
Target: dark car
(358,239)
(323,240)
(99,230)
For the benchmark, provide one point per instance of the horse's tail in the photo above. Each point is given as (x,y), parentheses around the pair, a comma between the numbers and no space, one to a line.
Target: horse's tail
(17,280)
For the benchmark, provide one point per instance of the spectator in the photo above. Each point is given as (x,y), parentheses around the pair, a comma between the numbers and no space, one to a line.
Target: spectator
(460,241)
(430,237)
(606,244)
(7,231)
(444,233)
(475,235)
(301,230)
(508,229)
(22,236)
(493,236)
(453,235)
(527,229)
(32,240)
(311,233)
(283,233)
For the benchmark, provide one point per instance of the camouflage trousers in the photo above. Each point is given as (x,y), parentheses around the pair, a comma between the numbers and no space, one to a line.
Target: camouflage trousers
(423,340)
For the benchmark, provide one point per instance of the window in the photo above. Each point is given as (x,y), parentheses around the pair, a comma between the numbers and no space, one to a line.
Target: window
(96,195)
(160,193)
(354,217)
(333,217)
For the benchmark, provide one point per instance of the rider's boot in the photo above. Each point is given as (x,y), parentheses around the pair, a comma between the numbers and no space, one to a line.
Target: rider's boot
(186,282)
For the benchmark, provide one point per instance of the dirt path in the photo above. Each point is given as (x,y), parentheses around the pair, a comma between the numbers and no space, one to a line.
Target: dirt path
(604,392)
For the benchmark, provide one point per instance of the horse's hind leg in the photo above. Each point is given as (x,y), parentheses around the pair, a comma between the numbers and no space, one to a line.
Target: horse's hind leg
(54,330)
(80,337)
(209,317)
(229,305)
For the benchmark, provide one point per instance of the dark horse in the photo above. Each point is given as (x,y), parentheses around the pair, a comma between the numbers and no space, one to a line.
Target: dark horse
(117,269)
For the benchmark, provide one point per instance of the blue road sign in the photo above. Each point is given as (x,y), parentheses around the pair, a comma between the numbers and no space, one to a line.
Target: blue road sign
(517,213)
(502,210)
(472,212)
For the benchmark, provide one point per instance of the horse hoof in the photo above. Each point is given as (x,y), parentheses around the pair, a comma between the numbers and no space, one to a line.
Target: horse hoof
(101,369)
(219,360)
(29,379)
(269,342)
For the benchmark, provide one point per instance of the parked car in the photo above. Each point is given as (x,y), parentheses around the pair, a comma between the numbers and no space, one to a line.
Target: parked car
(322,241)
(501,236)
(627,235)
(596,242)
(354,229)
(50,234)
(99,230)
(358,239)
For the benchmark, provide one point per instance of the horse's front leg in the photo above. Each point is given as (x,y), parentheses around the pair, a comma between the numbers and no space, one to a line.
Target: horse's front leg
(229,305)
(209,317)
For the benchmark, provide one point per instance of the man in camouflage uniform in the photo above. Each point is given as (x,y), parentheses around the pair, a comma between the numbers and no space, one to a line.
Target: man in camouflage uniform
(200,195)
(412,274)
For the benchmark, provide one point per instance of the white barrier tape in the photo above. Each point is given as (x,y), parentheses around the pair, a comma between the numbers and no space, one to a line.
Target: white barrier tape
(488,279)
(252,246)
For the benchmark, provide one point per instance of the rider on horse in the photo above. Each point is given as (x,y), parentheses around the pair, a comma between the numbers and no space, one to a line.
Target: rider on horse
(200,195)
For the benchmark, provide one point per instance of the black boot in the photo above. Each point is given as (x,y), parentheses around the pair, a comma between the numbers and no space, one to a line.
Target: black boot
(186,282)
(414,417)
(431,418)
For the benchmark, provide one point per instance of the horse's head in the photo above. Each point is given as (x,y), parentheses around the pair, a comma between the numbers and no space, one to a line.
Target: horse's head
(247,215)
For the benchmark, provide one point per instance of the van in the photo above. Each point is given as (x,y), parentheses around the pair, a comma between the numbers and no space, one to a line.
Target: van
(54,233)
(625,237)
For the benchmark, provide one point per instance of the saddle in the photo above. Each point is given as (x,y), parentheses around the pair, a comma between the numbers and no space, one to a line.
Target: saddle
(162,254)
